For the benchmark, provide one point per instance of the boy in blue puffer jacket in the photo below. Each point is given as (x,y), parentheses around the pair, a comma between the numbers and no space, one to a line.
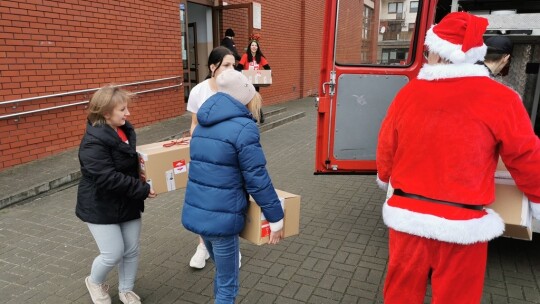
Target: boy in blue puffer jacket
(227,164)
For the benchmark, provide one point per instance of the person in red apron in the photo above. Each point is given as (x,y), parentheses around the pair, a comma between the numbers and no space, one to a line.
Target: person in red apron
(253,59)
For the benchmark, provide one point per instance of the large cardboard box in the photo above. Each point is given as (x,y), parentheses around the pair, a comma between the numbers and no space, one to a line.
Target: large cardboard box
(512,205)
(514,208)
(257,229)
(260,78)
(165,164)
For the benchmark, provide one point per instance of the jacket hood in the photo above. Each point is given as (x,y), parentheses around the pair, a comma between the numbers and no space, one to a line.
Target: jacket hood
(221,107)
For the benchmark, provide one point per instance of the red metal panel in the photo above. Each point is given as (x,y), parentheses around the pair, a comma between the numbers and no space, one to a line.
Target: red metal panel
(324,160)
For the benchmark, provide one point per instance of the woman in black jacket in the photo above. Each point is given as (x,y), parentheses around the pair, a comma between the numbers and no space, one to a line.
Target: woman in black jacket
(111,194)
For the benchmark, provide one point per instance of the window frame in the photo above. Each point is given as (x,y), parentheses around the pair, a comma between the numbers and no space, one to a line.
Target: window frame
(411,7)
(397,5)
(354,57)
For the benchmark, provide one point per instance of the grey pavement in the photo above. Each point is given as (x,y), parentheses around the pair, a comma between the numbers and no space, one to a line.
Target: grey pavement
(340,255)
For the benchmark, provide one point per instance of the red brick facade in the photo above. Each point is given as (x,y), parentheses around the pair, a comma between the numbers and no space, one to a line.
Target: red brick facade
(290,40)
(49,47)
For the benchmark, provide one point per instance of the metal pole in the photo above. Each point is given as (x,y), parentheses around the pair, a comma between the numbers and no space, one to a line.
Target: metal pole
(454,7)
(84,91)
(18,114)
(536,99)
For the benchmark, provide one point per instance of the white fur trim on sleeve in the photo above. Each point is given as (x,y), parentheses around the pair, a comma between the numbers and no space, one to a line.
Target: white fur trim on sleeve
(535,208)
(277,226)
(429,226)
(382,185)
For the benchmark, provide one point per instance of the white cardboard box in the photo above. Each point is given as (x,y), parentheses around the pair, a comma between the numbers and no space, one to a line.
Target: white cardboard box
(260,78)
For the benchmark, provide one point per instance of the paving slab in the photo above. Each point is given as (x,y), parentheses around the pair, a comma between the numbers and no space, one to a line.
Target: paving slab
(339,256)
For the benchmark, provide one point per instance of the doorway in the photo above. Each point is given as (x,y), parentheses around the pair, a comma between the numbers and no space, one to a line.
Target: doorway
(197,42)
(202,28)
(193,54)
(203,42)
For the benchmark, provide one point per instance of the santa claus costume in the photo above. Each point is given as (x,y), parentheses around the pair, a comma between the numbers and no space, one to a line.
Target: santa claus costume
(438,148)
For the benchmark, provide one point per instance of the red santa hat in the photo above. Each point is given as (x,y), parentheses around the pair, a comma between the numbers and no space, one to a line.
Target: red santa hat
(458,38)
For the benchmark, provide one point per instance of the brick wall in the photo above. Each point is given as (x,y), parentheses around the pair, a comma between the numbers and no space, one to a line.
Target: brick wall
(49,47)
(313,29)
(290,40)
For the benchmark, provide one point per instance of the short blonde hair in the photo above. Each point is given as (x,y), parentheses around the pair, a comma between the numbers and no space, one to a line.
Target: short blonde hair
(104,101)
(254,106)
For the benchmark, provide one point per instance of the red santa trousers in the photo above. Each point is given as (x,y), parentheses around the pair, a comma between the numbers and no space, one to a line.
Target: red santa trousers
(457,271)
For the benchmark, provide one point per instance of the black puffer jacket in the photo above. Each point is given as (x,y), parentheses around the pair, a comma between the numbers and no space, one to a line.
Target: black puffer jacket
(229,43)
(110,190)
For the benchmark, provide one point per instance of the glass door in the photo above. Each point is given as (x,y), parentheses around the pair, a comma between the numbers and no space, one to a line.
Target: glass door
(186,62)
(192,54)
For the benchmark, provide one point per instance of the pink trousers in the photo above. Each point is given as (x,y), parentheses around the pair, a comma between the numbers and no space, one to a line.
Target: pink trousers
(457,271)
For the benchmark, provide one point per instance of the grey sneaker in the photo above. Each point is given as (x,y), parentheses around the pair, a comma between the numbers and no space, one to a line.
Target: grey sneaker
(98,292)
(129,297)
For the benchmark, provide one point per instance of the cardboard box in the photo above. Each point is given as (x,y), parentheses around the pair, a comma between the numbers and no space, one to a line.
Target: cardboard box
(514,208)
(512,205)
(502,176)
(257,229)
(165,164)
(260,78)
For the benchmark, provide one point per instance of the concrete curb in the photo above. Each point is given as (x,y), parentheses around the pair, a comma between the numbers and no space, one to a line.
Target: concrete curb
(39,189)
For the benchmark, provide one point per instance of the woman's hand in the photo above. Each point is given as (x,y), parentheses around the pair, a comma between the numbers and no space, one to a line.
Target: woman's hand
(275,237)
(152,193)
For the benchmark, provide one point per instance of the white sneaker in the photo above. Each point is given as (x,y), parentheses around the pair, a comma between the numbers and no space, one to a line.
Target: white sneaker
(129,297)
(199,258)
(98,292)
(239,259)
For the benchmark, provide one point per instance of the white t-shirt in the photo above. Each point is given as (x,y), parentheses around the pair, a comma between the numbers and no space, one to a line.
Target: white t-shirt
(198,95)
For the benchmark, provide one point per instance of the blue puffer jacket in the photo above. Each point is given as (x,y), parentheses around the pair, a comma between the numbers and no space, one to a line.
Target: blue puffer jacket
(227,163)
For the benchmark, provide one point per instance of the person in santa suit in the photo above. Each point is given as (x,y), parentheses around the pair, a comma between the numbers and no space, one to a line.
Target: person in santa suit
(437,150)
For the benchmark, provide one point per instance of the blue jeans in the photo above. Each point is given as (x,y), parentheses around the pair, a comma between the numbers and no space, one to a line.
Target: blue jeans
(118,245)
(224,252)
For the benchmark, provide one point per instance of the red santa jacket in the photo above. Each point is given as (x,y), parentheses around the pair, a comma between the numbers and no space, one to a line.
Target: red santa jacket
(441,139)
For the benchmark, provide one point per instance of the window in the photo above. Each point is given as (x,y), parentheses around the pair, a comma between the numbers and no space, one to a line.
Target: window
(414,6)
(365,57)
(395,7)
(368,20)
(366,38)
(394,56)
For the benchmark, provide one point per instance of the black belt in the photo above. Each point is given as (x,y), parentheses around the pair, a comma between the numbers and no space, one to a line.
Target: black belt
(400,192)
